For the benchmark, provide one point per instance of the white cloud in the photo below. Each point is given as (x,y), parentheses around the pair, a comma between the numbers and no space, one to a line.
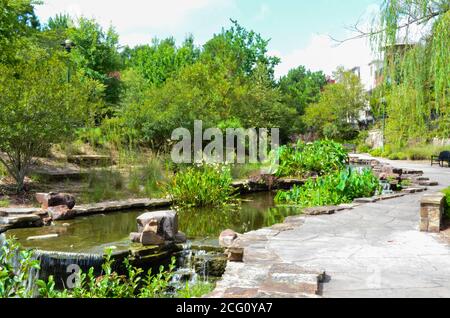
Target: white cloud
(322,54)
(135,20)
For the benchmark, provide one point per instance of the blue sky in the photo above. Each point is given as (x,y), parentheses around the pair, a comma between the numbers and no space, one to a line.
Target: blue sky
(299,29)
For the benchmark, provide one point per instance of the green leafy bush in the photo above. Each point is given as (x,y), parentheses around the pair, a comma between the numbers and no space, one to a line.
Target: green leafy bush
(376,152)
(447,202)
(320,157)
(398,156)
(205,185)
(15,268)
(340,187)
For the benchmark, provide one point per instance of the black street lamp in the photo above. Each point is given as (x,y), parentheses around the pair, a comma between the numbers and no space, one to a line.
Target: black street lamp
(68,45)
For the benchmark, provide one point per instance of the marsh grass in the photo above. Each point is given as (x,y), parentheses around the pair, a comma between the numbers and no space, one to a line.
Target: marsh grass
(202,186)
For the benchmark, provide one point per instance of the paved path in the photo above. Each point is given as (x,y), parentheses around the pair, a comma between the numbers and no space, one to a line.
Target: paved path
(374,250)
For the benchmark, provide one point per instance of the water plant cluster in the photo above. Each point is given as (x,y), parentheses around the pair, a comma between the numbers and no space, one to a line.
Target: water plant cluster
(341,186)
(334,181)
(202,185)
(320,157)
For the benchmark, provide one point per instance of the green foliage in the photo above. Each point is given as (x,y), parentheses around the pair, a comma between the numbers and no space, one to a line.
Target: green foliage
(18,22)
(447,202)
(417,77)
(205,185)
(195,291)
(337,112)
(103,185)
(333,189)
(112,285)
(246,49)
(320,157)
(301,87)
(4,203)
(162,60)
(15,268)
(39,108)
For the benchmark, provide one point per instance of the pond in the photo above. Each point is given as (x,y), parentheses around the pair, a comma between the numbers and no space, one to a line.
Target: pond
(92,234)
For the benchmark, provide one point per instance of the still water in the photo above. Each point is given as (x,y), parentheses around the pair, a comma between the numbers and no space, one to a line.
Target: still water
(92,234)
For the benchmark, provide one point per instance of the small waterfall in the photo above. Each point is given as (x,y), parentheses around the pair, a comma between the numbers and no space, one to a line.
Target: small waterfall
(386,187)
(62,265)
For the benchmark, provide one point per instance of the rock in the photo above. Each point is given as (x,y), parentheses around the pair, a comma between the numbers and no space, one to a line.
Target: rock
(61,212)
(227,238)
(55,199)
(135,237)
(180,237)
(42,237)
(151,227)
(167,223)
(23,221)
(235,254)
(150,238)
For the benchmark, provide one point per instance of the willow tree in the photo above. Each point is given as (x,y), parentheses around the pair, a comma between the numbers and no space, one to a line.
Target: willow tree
(413,37)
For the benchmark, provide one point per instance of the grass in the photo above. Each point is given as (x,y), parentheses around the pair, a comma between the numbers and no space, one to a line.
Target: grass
(418,152)
(4,203)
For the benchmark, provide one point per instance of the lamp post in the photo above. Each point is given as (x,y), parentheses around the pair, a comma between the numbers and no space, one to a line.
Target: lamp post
(68,45)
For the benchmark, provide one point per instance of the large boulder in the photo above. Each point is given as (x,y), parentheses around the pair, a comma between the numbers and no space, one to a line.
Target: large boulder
(56,199)
(227,238)
(165,223)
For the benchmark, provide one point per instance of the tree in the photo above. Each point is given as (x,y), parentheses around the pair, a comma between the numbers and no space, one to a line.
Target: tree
(96,54)
(39,108)
(18,21)
(246,49)
(301,87)
(336,114)
(416,69)
(162,60)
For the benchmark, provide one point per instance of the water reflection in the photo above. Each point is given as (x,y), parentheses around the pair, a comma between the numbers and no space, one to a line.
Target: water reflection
(94,233)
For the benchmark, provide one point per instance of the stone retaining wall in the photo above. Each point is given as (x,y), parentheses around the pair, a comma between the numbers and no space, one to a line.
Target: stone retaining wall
(432,212)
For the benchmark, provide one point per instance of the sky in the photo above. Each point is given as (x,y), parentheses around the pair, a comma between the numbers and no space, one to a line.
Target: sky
(299,30)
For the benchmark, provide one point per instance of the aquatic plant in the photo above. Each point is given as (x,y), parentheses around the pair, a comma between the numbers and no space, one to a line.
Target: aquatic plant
(340,187)
(320,157)
(201,186)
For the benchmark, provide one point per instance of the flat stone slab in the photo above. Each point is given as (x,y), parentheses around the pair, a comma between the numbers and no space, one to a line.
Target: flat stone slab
(20,211)
(27,220)
(114,206)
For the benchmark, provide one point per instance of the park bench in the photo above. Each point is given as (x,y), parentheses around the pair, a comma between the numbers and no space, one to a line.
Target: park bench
(443,157)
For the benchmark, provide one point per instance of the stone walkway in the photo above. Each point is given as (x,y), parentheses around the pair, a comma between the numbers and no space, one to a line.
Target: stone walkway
(373,250)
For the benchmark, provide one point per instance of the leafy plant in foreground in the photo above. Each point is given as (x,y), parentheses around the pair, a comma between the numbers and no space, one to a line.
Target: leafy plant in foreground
(15,268)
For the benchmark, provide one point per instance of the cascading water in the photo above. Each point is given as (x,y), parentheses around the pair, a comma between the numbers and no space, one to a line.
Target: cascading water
(61,265)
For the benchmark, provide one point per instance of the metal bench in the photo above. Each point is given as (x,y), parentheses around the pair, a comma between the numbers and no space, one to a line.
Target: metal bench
(443,157)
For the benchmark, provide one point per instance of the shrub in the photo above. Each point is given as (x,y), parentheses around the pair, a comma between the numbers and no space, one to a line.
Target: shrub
(376,152)
(15,268)
(319,157)
(398,156)
(447,202)
(339,187)
(205,185)
(423,152)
